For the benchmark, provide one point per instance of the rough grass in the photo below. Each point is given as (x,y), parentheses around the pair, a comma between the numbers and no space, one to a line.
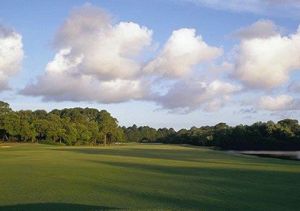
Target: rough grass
(41,177)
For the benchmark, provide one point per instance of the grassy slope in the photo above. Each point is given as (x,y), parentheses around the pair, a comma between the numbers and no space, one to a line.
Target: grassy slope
(144,176)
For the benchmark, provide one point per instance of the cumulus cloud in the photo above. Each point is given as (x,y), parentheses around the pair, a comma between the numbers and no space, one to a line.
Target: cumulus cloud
(62,87)
(101,61)
(73,85)
(82,22)
(96,60)
(278,103)
(267,61)
(108,51)
(11,54)
(259,29)
(181,53)
(192,94)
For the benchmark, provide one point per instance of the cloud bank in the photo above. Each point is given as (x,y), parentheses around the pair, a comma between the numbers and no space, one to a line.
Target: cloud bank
(278,103)
(11,55)
(98,60)
(186,96)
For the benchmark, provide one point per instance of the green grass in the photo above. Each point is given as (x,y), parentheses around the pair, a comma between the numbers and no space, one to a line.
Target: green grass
(39,177)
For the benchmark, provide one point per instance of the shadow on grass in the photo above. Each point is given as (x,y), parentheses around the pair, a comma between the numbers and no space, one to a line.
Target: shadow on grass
(54,206)
(211,188)
(192,155)
(170,154)
(228,183)
(213,172)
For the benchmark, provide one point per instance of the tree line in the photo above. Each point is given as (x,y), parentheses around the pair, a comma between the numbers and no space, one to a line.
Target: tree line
(283,135)
(74,126)
(89,126)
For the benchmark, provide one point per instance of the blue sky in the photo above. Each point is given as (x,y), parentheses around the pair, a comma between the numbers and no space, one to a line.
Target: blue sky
(222,28)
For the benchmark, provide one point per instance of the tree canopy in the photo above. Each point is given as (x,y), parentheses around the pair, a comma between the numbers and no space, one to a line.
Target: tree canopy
(283,135)
(71,126)
(89,126)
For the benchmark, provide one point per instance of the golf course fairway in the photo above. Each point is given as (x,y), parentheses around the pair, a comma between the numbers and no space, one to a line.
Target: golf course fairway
(143,176)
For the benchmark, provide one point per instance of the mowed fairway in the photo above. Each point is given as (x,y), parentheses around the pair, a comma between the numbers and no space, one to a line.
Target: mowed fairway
(140,176)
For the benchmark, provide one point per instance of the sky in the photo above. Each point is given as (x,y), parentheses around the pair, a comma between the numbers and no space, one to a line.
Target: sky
(162,63)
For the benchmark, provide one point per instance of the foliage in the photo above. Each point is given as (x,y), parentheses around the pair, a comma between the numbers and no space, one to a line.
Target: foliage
(89,126)
(284,135)
(72,126)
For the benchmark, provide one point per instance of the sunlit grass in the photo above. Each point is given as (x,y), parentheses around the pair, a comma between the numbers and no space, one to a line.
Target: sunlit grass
(135,176)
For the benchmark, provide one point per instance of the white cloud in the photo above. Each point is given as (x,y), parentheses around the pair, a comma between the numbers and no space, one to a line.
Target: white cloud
(83,22)
(193,94)
(96,60)
(102,62)
(259,29)
(108,50)
(63,62)
(63,87)
(266,62)
(99,61)
(181,53)
(278,103)
(11,55)
(63,81)
(113,54)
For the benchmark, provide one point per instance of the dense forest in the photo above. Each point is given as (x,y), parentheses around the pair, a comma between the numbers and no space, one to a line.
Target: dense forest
(87,126)
(283,135)
(75,126)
